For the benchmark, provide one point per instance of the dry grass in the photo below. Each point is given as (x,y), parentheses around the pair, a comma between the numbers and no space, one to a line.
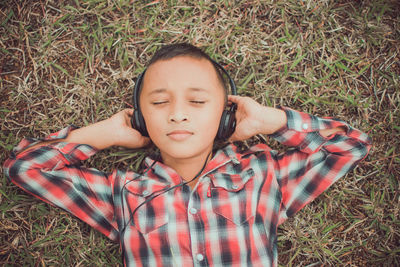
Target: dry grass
(64,62)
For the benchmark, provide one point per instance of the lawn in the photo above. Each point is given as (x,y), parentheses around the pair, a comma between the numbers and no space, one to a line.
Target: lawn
(76,62)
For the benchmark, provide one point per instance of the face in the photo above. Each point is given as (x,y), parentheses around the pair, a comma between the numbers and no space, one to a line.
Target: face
(182,101)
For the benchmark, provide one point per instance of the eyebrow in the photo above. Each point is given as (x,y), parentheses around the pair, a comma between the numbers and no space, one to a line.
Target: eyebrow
(195,89)
(158,91)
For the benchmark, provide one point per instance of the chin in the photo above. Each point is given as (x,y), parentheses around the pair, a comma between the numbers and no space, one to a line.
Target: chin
(184,151)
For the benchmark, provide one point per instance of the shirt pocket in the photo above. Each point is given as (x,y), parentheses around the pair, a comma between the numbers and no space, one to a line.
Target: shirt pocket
(232,196)
(147,204)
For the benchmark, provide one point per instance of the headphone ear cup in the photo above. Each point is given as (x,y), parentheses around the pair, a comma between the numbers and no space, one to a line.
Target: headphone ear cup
(220,133)
(138,123)
(227,124)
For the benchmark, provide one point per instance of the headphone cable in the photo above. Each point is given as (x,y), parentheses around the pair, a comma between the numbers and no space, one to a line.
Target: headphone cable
(164,190)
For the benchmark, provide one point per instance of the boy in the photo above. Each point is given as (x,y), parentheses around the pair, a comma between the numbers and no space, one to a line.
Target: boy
(193,205)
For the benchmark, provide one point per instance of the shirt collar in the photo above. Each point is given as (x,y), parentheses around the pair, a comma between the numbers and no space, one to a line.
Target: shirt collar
(161,172)
(233,153)
(229,153)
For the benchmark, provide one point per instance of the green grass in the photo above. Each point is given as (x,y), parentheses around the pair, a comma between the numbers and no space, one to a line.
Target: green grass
(75,62)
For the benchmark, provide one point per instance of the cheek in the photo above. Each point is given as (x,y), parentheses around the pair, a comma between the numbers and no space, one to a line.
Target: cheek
(209,119)
(154,120)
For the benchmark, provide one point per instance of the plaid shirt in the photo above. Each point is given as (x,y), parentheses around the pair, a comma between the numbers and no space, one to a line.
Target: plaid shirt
(231,216)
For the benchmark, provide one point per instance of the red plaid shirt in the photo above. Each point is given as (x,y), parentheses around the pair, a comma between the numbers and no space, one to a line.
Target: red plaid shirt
(231,216)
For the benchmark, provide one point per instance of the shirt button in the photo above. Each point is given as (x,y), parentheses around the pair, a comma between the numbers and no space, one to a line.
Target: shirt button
(199,257)
(145,193)
(193,210)
(305,126)
(234,187)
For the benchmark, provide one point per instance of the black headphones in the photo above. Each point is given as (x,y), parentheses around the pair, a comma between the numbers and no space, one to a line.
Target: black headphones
(227,124)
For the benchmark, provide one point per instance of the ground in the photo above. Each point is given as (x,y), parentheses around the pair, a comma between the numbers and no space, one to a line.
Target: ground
(76,62)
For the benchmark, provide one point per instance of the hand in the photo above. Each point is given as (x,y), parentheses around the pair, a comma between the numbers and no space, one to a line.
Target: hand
(114,131)
(123,133)
(253,118)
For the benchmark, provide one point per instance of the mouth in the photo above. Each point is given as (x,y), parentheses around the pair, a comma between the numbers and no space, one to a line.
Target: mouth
(179,135)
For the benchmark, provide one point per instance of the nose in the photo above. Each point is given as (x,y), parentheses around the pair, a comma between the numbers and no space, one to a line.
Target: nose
(177,113)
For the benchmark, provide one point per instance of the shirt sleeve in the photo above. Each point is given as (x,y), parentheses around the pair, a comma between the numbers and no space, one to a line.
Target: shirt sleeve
(52,172)
(315,162)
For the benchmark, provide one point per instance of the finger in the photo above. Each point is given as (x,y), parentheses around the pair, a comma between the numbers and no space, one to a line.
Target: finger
(136,140)
(234,98)
(233,137)
(144,141)
(129,111)
(138,144)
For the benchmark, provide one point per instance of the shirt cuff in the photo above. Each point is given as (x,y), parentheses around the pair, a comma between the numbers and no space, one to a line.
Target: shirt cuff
(302,130)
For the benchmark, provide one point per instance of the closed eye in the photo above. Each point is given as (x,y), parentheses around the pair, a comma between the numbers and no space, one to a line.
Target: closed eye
(159,102)
(197,102)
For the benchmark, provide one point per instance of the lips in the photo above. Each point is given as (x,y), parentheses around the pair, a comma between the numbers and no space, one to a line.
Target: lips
(179,135)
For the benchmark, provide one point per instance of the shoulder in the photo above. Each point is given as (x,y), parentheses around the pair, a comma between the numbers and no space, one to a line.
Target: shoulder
(241,150)
(246,157)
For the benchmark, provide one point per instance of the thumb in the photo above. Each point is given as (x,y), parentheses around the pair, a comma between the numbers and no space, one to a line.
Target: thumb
(133,139)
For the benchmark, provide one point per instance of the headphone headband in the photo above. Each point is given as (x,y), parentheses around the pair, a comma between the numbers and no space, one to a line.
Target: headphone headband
(231,82)
(136,90)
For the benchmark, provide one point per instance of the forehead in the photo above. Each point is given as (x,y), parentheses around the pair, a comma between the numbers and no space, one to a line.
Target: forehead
(181,71)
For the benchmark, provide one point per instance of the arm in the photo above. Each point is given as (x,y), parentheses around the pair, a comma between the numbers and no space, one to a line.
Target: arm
(115,131)
(324,150)
(250,123)
(50,170)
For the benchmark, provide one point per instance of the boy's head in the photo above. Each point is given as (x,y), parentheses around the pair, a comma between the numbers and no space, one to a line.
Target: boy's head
(182,97)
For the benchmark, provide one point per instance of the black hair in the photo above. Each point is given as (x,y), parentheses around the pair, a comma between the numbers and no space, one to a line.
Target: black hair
(184,49)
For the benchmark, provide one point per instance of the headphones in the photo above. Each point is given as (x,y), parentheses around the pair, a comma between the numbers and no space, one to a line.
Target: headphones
(227,123)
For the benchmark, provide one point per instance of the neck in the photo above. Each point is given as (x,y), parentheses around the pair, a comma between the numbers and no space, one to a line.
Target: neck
(187,168)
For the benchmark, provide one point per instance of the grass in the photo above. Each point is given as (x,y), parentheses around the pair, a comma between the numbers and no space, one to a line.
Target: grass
(64,62)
